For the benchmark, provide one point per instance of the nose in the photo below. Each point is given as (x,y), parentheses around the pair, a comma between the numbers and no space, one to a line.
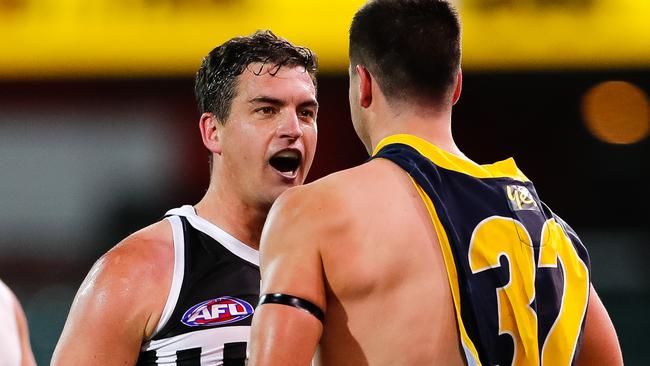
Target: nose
(290,127)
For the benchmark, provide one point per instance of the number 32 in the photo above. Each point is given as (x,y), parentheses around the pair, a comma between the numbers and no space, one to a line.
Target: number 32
(495,237)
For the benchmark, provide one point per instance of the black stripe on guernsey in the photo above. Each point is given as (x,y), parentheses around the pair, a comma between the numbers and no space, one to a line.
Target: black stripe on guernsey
(147,358)
(189,357)
(234,354)
(296,302)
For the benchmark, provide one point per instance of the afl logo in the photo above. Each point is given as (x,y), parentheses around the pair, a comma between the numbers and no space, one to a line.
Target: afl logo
(224,310)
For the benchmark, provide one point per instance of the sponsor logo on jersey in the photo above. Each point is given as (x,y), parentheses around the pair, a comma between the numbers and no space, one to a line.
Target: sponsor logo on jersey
(520,198)
(223,310)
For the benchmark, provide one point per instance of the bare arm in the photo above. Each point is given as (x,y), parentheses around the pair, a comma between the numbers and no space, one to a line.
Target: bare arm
(290,264)
(600,345)
(117,306)
(27,357)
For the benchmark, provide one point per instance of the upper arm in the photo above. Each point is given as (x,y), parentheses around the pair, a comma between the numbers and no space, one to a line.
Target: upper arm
(27,357)
(290,259)
(600,344)
(113,309)
(290,264)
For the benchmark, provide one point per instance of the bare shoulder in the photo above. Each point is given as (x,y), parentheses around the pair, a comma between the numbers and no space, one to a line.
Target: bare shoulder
(333,207)
(150,244)
(144,252)
(343,193)
(122,297)
(339,189)
(305,217)
(308,223)
(300,225)
(135,273)
(323,203)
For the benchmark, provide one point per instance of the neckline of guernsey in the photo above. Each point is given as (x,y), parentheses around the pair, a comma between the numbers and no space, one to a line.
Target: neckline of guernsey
(501,169)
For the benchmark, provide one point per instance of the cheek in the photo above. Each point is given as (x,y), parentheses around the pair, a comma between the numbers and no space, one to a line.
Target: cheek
(239,150)
(310,137)
(251,141)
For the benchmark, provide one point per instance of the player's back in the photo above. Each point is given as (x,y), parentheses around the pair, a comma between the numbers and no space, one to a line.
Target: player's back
(432,259)
(519,275)
(388,296)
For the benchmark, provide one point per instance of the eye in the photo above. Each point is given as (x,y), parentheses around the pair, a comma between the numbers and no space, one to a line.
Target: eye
(307,114)
(267,110)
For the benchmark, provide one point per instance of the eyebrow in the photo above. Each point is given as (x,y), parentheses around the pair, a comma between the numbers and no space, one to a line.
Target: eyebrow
(280,103)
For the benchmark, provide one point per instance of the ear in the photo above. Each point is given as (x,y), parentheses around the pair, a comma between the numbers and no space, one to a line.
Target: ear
(459,87)
(365,86)
(210,130)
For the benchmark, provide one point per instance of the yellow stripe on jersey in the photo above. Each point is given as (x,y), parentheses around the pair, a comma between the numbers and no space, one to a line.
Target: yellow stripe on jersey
(452,275)
(501,169)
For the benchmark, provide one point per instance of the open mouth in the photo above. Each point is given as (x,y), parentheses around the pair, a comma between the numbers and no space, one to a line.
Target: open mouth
(286,162)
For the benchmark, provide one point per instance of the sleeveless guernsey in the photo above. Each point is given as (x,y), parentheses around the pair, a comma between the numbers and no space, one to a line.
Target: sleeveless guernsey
(519,275)
(215,288)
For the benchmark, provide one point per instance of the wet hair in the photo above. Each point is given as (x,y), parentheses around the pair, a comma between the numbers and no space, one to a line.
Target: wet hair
(216,81)
(412,47)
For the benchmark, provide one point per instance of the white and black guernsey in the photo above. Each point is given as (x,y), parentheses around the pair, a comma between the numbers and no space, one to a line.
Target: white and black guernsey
(215,288)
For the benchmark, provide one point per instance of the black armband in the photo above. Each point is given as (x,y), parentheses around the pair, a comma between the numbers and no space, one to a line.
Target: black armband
(296,302)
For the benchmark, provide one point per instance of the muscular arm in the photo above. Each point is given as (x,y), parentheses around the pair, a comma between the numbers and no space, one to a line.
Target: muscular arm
(290,264)
(600,345)
(117,305)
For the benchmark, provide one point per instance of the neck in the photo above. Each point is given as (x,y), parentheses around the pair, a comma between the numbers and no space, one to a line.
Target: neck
(229,212)
(431,125)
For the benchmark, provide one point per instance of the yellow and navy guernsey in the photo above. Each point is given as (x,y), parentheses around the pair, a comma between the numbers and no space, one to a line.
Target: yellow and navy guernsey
(519,275)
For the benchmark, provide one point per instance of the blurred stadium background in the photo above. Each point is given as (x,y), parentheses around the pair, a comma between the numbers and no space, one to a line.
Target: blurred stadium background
(98,126)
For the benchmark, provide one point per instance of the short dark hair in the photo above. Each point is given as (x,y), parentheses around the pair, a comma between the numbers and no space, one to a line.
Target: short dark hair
(215,84)
(412,47)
